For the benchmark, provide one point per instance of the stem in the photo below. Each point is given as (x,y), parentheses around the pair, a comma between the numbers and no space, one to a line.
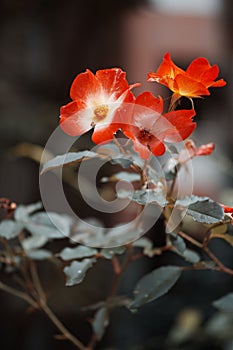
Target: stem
(207,251)
(44,306)
(190,239)
(69,336)
(221,266)
(36,281)
(18,294)
(174,101)
(117,277)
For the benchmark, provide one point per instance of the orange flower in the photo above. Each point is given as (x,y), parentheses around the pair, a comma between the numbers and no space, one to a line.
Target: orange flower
(194,82)
(96,101)
(149,129)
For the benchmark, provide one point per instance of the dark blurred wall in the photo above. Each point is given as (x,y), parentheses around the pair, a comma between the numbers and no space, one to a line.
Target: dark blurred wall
(44,45)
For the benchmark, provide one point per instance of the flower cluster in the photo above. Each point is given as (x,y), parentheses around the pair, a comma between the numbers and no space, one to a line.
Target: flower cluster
(104,101)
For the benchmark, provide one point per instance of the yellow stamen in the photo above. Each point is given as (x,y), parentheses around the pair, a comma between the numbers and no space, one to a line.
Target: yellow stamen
(100,113)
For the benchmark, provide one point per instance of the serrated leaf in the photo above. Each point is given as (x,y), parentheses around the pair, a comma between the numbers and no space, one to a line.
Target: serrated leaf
(108,253)
(51,225)
(225,303)
(186,201)
(100,322)
(123,162)
(78,252)
(68,158)
(39,254)
(76,271)
(123,175)
(10,229)
(122,234)
(109,149)
(206,211)
(144,196)
(34,242)
(154,285)
(22,212)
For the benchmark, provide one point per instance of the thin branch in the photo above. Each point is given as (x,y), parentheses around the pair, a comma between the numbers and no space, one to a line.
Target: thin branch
(221,266)
(36,281)
(19,294)
(190,239)
(207,251)
(117,277)
(69,336)
(44,306)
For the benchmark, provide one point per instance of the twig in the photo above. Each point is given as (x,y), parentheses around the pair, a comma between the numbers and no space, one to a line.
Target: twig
(190,239)
(44,306)
(117,276)
(19,294)
(207,251)
(69,336)
(221,266)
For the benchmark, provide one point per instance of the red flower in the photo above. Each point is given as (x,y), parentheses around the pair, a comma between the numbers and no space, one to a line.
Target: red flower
(96,100)
(148,128)
(190,151)
(228,210)
(205,150)
(194,82)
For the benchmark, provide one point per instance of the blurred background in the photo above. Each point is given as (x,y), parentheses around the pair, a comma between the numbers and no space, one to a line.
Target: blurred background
(44,45)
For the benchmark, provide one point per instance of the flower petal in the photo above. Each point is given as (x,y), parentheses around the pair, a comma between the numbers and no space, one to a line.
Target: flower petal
(183,125)
(105,132)
(84,85)
(205,150)
(197,67)
(148,100)
(174,69)
(113,81)
(143,150)
(75,118)
(157,147)
(189,87)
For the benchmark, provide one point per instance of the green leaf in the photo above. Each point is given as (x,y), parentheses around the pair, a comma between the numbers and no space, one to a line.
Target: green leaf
(122,234)
(109,149)
(76,272)
(207,211)
(10,229)
(177,242)
(191,256)
(202,209)
(51,225)
(68,158)
(34,242)
(100,322)
(78,252)
(154,285)
(40,254)
(22,212)
(108,253)
(225,303)
(123,175)
(146,244)
(122,161)
(185,202)
(144,196)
